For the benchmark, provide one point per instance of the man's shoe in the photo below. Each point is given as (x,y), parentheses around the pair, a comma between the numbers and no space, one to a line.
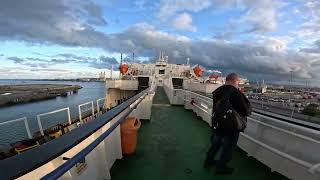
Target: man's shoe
(224,170)
(208,164)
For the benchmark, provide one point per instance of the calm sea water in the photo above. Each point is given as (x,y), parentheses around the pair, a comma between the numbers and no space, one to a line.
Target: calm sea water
(9,133)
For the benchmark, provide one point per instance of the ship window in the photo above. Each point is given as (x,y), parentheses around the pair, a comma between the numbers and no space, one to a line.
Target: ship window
(161,71)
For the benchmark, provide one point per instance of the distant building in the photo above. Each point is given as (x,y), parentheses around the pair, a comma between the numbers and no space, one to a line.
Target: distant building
(102,76)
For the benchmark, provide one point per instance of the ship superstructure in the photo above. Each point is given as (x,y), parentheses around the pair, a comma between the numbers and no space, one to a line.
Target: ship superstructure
(182,76)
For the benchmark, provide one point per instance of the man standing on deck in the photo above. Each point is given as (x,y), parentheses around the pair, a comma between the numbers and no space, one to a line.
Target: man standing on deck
(224,137)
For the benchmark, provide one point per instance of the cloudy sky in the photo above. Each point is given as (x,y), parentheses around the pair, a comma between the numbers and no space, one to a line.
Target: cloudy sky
(261,39)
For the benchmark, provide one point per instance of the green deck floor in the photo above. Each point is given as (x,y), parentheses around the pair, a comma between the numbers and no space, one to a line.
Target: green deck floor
(173,146)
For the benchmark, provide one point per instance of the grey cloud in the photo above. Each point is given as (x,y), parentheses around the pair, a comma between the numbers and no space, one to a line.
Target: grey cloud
(94,13)
(310,28)
(104,62)
(35,65)
(314,49)
(75,58)
(37,62)
(49,70)
(59,22)
(169,8)
(260,16)
(247,58)
(60,61)
(16,60)
(110,60)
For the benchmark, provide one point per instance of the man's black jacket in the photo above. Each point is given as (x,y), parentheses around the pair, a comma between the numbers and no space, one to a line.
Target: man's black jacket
(238,100)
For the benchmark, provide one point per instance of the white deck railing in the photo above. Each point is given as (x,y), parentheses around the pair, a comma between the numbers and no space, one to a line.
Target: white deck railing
(26,124)
(98,106)
(52,112)
(67,109)
(80,110)
(287,148)
(97,154)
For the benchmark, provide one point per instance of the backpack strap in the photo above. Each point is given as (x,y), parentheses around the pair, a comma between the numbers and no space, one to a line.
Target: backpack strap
(226,97)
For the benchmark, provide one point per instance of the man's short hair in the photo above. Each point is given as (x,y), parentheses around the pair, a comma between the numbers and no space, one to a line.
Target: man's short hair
(232,77)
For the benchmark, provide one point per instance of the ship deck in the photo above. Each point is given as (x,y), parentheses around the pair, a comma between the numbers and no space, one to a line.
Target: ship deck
(173,145)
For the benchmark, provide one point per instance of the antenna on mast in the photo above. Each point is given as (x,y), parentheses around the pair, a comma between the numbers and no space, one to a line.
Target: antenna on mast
(132,58)
(111,71)
(121,59)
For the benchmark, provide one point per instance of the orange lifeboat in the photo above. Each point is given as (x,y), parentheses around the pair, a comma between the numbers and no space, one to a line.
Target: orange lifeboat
(198,71)
(214,76)
(123,68)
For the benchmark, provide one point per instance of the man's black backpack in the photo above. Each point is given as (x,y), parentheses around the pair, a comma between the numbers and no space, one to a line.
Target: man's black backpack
(226,118)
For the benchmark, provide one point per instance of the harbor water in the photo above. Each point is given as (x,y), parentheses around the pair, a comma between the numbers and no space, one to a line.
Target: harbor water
(9,133)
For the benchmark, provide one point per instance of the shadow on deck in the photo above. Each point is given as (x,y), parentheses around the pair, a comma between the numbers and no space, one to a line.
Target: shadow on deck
(173,146)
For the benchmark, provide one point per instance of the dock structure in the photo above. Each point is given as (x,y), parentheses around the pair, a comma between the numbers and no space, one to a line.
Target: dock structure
(16,94)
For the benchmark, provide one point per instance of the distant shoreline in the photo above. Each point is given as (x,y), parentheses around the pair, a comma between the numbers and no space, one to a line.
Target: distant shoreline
(72,80)
(18,94)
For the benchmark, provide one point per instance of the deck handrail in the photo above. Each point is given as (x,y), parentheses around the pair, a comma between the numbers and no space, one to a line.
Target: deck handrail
(55,174)
(311,167)
(289,124)
(265,124)
(80,113)
(52,112)
(27,127)
(98,107)
(276,151)
(21,164)
(292,120)
(295,121)
(26,124)
(285,131)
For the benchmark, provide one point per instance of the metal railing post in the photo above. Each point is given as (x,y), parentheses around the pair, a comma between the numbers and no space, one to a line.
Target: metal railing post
(40,125)
(292,112)
(92,109)
(69,117)
(27,128)
(80,118)
(314,168)
(98,108)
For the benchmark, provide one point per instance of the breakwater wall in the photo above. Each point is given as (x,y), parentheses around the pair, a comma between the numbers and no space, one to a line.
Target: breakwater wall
(16,94)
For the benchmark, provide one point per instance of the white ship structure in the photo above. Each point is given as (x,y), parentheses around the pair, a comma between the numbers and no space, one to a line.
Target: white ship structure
(90,147)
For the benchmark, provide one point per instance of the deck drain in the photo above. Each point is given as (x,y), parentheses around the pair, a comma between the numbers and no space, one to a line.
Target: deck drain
(188,171)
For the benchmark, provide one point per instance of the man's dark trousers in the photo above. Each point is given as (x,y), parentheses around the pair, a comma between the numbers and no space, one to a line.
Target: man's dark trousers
(228,143)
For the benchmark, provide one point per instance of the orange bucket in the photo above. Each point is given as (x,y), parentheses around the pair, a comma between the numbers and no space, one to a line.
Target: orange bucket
(129,134)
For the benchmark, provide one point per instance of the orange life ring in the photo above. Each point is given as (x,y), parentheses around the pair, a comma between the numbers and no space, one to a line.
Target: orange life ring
(198,71)
(123,68)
